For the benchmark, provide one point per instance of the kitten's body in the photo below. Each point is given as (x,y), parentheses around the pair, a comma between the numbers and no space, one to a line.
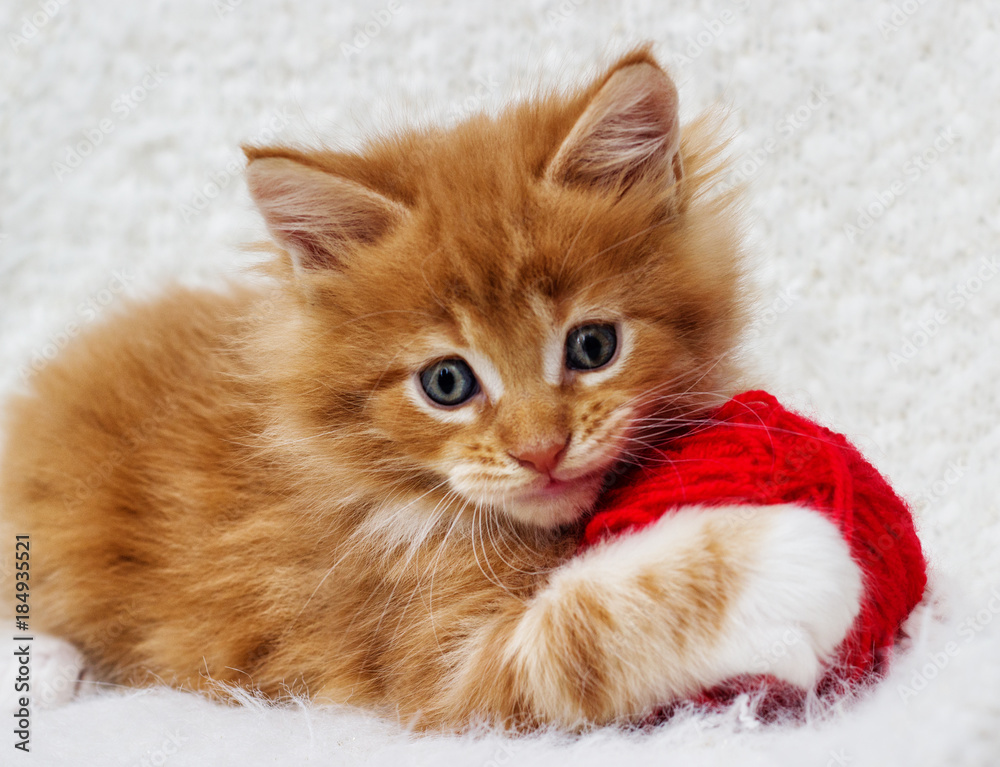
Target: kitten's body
(251,488)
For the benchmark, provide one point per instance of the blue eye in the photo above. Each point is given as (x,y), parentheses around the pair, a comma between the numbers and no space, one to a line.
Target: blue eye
(449,382)
(590,347)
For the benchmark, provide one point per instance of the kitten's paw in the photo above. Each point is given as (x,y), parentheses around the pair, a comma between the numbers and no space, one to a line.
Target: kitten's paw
(700,597)
(54,669)
(802,594)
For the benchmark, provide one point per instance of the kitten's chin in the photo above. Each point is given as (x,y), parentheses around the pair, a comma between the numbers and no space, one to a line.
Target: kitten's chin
(557,503)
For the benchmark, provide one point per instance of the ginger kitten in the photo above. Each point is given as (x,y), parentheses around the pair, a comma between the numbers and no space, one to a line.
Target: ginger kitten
(366,484)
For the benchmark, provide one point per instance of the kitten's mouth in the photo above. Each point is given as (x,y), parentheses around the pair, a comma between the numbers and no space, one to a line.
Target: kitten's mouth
(554,487)
(553,502)
(558,486)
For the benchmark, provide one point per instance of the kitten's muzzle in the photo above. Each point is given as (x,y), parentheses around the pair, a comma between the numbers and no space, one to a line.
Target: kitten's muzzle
(542,458)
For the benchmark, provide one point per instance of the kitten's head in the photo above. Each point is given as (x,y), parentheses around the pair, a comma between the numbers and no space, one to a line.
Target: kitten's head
(508,309)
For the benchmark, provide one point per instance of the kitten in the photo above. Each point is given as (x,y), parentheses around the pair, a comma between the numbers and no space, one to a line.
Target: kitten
(366,484)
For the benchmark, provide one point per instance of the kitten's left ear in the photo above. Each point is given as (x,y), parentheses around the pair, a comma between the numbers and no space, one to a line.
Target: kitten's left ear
(319,217)
(630,129)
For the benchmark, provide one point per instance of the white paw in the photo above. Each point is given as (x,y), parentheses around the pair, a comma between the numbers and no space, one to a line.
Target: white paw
(50,676)
(802,595)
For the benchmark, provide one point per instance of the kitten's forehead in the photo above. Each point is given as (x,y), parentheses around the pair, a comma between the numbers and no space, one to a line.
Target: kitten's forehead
(510,332)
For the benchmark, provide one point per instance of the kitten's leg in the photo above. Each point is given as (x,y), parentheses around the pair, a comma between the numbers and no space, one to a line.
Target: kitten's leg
(699,597)
(55,668)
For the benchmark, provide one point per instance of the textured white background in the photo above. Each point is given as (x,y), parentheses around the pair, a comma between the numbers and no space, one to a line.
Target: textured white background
(885,81)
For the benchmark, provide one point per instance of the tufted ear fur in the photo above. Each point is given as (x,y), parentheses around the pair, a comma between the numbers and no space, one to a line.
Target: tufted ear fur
(317,216)
(630,129)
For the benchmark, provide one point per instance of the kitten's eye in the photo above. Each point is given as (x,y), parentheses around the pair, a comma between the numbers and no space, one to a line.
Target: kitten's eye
(589,347)
(449,382)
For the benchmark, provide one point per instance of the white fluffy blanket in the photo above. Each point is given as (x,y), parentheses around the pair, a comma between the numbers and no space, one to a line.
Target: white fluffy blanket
(868,132)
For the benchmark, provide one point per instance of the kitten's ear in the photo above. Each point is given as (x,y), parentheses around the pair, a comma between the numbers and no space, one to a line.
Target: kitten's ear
(318,216)
(630,129)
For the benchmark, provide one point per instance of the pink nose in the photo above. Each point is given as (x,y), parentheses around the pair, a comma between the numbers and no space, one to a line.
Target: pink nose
(542,458)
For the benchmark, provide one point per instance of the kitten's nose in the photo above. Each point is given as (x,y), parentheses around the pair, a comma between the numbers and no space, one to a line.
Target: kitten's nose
(542,458)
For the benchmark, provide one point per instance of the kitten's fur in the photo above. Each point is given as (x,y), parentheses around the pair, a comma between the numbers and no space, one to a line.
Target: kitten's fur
(251,488)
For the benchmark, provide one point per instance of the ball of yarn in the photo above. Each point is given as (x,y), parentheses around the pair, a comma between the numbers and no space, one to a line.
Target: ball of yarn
(754,451)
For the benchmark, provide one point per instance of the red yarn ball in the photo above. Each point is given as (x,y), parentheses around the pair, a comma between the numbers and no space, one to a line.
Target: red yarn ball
(754,451)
